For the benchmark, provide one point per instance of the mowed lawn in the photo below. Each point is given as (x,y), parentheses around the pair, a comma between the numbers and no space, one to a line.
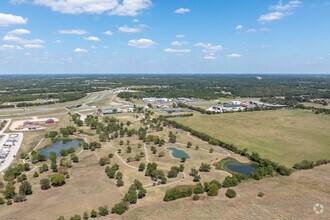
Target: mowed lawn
(284,136)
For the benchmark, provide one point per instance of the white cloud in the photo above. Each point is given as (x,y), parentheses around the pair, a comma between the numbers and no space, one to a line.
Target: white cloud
(92,38)
(33,46)
(9,19)
(17,2)
(251,30)
(58,42)
(180,36)
(178,51)
(264,29)
(11,38)
(182,10)
(10,47)
(285,7)
(20,32)
(135,20)
(239,27)
(210,57)
(35,41)
(142,43)
(234,55)
(80,50)
(73,31)
(272,16)
(131,7)
(209,48)
(178,43)
(127,29)
(112,7)
(109,33)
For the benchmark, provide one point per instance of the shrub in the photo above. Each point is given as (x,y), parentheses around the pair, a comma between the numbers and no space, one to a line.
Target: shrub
(58,179)
(142,167)
(205,167)
(119,208)
(19,198)
(177,193)
(104,160)
(261,194)
(213,189)
(9,191)
(2,200)
(230,181)
(36,174)
(25,188)
(75,217)
(93,214)
(85,216)
(199,189)
(195,197)
(231,193)
(45,184)
(103,211)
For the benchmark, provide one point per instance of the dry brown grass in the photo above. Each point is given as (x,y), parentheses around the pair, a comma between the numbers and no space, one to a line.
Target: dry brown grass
(290,197)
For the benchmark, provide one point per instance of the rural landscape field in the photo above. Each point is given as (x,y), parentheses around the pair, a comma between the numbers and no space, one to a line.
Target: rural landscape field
(164,109)
(286,137)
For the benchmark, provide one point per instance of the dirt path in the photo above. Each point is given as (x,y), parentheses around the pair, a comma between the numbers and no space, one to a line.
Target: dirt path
(228,154)
(121,159)
(146,153)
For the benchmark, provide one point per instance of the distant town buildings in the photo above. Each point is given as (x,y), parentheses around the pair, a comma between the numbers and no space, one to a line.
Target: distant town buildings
(240,106)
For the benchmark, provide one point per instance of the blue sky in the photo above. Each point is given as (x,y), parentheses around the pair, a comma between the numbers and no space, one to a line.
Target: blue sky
(164,36)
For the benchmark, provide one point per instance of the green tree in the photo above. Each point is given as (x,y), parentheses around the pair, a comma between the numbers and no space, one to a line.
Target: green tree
(93,214)
(9,191)
(104,160)
(119,208)
(45,184)
(103,211)
(231,193)
(58,179)
(213,189)
(25,188)
(142,167)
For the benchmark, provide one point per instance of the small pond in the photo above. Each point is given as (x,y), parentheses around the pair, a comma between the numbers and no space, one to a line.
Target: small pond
(59,145)
(235,166)
(177,153)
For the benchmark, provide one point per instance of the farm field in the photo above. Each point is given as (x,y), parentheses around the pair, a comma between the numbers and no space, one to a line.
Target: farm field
(284,136)
(284,198)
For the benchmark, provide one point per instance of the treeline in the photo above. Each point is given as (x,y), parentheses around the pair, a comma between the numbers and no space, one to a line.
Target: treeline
(295,102)
(210,188)
(306,164)
(177,116)
(266,167)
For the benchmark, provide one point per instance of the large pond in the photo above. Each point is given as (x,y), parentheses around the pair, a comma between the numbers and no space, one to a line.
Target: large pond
(235,166)
(177,153)
(59,145)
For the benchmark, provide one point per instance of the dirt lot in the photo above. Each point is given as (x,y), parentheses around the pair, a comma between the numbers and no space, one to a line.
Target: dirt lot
(290,197)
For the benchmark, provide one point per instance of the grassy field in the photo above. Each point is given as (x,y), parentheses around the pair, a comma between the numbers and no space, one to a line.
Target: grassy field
(290,197)
(316,105)
(285,136)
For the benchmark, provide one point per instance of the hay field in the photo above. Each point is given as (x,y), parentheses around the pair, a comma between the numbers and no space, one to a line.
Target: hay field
(284,136)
